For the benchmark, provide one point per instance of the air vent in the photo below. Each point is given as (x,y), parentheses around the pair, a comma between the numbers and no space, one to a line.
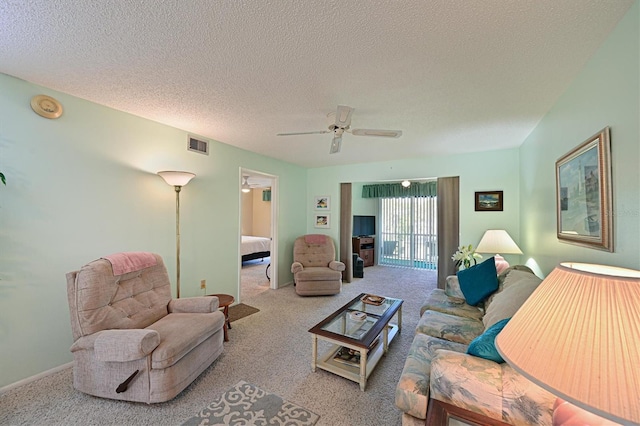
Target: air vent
(197,145)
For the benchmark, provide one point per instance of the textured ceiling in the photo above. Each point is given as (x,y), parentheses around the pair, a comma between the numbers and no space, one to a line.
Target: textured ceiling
(453,75)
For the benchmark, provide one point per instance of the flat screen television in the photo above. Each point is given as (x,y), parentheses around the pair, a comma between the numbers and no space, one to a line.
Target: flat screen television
(364,226)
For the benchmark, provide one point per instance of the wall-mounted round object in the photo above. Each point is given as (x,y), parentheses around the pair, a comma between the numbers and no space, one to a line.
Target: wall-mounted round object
(46,106)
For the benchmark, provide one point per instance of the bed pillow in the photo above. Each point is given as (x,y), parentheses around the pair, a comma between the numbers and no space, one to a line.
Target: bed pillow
(478,282)
(484,346)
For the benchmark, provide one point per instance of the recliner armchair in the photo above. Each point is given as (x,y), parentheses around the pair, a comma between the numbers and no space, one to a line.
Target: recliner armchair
(132,341)
(315,270)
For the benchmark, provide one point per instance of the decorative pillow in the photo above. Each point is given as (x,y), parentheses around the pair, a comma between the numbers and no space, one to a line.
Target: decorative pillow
(517,288)
(501,277)
(484,345)
(478,282)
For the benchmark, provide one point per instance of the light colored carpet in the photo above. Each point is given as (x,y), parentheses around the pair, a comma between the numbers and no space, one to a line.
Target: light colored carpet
(270,349)
(245,404)
(253,278)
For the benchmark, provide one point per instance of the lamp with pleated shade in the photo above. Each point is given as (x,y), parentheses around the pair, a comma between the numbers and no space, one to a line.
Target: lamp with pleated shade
(578,336)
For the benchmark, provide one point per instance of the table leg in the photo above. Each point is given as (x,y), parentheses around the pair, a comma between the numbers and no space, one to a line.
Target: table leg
(385,339)
(314,352)
(400,319)
(227,324)
(226,316)
(363,369)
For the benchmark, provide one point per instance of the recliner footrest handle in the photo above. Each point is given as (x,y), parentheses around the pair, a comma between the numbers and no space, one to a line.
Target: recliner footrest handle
(124,385)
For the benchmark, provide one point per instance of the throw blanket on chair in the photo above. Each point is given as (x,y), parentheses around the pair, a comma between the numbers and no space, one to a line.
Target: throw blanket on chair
(315,239)
(126,262)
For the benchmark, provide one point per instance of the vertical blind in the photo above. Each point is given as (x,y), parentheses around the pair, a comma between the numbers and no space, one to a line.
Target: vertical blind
(408,232)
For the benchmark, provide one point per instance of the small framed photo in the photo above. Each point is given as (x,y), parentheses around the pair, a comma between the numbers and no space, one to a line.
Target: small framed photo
(322,221)
(322,202)
(489,201)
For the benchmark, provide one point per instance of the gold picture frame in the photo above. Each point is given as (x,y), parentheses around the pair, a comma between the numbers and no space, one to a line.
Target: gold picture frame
(584,203)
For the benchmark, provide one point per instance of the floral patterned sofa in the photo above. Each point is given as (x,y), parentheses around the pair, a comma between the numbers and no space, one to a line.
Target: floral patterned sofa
(439,367)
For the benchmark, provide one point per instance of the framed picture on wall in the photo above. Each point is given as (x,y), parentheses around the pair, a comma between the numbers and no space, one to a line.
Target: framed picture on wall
(583,194)
(322,221)
(322,202)
(489,201)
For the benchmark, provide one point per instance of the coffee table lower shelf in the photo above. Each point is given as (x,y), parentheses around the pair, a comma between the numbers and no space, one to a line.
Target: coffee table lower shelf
(368,358)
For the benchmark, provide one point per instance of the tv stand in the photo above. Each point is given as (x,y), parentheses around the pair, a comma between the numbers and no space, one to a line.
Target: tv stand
(364,247)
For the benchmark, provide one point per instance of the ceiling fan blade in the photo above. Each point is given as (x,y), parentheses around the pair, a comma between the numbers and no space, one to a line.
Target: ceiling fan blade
(343,116)
(319,132)
(336,144)
(377,132)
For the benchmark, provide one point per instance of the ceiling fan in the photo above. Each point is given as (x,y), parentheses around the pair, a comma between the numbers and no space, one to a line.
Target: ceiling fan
(251,182)
(340,122)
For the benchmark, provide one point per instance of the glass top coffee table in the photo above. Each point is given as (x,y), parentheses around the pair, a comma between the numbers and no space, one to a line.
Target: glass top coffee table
(359,333)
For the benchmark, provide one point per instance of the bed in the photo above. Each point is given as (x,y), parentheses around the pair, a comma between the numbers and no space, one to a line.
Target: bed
(255,247)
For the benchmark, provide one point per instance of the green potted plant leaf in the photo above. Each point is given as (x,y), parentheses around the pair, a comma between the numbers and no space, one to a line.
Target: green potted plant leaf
(2,178)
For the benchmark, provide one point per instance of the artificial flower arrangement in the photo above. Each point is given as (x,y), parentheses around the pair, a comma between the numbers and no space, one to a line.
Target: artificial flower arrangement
(465,255)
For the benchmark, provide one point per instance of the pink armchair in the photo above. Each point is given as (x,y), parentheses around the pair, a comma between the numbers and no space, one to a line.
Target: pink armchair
(315,270)
(132,341)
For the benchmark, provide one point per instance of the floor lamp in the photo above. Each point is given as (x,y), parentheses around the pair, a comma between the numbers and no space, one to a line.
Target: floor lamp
(177,180)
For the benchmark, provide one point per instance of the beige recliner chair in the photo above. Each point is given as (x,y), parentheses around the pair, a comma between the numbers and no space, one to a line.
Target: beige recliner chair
(132,341)
(315,270)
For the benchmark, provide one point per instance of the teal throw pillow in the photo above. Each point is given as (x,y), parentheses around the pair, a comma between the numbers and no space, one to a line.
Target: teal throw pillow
(478,282)
(484,346)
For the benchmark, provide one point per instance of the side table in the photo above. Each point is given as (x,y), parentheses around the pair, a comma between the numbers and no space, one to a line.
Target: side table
(225,301)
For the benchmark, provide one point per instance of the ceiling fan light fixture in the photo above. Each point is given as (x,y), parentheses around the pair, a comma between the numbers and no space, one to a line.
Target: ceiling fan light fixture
(245,185)
(339,122)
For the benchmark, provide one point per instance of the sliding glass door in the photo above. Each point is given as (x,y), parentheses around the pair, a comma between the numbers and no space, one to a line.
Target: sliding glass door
(408,232)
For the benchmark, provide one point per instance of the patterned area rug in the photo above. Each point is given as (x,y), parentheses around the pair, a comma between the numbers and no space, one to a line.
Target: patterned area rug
(245,404)
(240,311)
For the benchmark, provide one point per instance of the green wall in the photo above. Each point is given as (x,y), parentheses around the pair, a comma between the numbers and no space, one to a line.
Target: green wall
(84,186)
(484,171)
(606,93)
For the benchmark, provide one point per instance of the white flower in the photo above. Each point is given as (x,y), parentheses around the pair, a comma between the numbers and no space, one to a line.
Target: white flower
(465,255)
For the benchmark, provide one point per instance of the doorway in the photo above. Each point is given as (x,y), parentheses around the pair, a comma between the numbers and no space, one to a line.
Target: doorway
(257,271)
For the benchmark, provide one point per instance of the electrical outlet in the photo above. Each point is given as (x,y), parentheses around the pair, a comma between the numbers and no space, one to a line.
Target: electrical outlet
(203,284)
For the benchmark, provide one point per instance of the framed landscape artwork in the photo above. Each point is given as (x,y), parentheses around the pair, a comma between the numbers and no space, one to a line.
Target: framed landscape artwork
(583,194)
(489,201)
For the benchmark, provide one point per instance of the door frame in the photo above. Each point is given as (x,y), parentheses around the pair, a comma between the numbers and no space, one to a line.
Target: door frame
(273,282)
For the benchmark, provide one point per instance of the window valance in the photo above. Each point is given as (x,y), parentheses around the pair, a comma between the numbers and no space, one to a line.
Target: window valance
(396,190)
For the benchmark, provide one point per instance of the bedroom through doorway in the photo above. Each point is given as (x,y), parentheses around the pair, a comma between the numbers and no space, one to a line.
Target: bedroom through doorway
(257,228)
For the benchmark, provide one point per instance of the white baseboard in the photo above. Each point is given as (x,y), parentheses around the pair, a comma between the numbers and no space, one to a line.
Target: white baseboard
(34,378)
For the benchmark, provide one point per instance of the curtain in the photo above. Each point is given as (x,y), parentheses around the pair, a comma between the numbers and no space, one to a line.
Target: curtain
(346,224)
(266,195)
(448,226)
(396,190)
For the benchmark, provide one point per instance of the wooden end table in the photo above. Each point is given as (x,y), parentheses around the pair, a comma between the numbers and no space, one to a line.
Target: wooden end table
(225,300)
